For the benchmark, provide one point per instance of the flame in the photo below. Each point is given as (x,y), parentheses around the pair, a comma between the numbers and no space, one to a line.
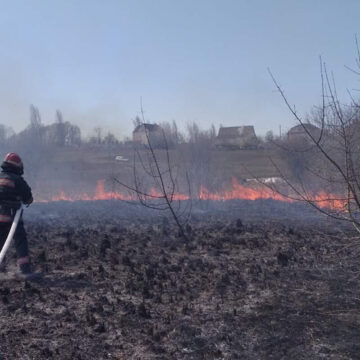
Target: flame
(237,191)
(100,194)
(330,201)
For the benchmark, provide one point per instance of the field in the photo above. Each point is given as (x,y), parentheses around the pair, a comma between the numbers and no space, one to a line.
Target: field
(77,171)
(258,280)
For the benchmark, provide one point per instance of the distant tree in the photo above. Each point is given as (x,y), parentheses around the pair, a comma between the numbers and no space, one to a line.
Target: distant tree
(172,134)
(197,155)
(110,139)
(35,118)
(32,146)
(60,130)
(2,133)
(269,136)
(193,132)
(136,122)
(5,133)
(178,136)
(73,134)
(97,138)
(35,130)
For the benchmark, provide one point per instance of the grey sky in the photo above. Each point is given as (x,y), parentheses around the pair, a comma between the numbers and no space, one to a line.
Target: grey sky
(190,60)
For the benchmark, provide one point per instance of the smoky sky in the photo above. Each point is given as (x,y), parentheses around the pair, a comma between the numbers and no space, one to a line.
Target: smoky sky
(203,61)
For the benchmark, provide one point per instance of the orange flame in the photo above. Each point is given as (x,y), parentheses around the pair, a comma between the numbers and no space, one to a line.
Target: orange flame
(237,191)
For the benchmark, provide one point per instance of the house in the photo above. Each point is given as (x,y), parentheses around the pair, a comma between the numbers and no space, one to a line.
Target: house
(145,133)
(298,132)
(237,137)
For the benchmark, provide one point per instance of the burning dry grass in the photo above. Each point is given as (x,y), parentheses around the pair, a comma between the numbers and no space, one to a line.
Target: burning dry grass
(237,191)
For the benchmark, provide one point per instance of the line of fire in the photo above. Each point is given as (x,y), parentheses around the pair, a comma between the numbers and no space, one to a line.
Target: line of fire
(236,191)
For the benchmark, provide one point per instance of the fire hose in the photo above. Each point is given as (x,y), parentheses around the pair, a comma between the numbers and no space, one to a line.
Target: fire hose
(11,233)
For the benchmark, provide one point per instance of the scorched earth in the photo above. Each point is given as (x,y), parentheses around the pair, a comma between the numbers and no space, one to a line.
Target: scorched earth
(258,280)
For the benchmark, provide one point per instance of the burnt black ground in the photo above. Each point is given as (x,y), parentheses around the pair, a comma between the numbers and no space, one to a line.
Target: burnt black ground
(119,283)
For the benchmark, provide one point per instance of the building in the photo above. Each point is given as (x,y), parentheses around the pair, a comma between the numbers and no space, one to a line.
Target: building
(237,137)
(144,133)
(298,132)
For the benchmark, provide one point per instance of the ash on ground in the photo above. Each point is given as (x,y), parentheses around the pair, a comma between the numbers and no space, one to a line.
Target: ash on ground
(257,280)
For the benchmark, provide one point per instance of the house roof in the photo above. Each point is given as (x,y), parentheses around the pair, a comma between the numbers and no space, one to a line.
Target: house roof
(149,127)
(300,128)
(236,131)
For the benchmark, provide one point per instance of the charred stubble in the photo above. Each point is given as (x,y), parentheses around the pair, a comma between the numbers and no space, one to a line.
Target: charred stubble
(120,288)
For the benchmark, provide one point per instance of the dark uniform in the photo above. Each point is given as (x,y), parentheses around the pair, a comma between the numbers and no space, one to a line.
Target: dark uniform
(13,191)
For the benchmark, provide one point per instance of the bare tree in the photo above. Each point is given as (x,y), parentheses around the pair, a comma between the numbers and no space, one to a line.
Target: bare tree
(110,139)
(98,134)
(73,135)
(5,133)
(156,181)
(35,129)
(96,139)
(60,129)
(269,136)
(136,122)
(173,136)
(197,154)
(330,155)
(31,144)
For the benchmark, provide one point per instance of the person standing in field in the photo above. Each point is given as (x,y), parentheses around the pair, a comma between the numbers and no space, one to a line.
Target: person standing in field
(14,191)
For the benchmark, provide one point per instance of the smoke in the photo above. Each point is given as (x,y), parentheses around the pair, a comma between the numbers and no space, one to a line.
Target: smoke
(107,115)
(16,89)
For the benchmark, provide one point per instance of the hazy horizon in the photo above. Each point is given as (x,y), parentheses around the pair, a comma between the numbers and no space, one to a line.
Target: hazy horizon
(203,61)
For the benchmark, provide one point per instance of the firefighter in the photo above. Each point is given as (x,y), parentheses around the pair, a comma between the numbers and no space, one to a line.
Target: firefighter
(13,191)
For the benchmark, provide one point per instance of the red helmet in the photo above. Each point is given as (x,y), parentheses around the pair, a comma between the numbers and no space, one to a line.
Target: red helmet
(14,160)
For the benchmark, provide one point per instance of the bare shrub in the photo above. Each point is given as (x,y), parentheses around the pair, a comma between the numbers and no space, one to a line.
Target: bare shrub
(196,156)
(330,156)
(156,180)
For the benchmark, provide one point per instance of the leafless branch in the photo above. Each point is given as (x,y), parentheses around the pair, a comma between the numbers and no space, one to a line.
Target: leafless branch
(161,175)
